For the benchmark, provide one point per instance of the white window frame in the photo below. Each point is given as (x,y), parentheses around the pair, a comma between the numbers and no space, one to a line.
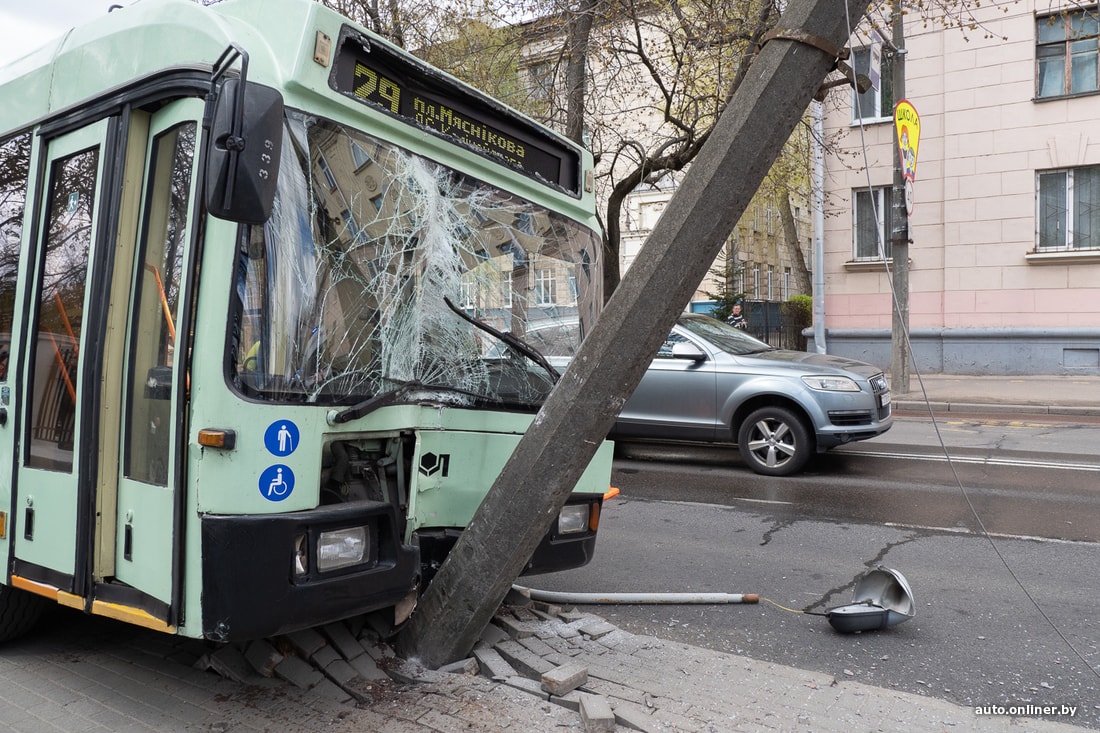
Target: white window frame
(874,105)
(1069,216)
(545,286)
(881,211)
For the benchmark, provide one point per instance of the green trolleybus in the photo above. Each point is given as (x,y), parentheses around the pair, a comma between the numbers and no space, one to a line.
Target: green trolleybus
(277,302)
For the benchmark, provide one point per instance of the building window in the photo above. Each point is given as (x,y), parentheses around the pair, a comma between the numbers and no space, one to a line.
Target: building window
(786,293)
(873,104)
(770,273)
(358,154)
(1069,209)
(541,76)
(329,177)
(756,282)
(874,223)
(1066,53)
(466,297)
(544,287)
(506,288)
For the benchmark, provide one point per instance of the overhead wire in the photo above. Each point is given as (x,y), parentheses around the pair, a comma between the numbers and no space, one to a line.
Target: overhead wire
(924,392)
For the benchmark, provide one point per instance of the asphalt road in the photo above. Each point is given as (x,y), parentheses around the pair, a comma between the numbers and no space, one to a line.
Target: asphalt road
(1004,615)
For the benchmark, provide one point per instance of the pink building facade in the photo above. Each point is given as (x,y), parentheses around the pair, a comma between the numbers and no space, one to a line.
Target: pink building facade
(1005,225)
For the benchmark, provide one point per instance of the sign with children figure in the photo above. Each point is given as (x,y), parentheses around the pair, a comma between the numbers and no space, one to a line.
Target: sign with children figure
(907,125)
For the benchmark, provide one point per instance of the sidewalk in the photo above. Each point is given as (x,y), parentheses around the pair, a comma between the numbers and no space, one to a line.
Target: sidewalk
(1077,396)
(542,667)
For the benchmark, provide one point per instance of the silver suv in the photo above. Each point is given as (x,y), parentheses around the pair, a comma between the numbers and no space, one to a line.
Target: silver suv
(712,382)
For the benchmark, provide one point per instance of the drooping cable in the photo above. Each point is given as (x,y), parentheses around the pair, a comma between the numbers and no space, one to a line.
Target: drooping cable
(927,403)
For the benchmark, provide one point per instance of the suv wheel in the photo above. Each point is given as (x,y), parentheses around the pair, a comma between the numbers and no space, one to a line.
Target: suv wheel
(774,441)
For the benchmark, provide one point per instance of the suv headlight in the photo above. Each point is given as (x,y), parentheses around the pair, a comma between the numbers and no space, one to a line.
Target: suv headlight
(831,383)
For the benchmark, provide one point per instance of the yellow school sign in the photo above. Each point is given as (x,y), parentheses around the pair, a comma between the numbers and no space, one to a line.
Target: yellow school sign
(907,125)
(907,122)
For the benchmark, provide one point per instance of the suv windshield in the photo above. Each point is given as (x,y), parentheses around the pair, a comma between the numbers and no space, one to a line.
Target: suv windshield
(342,294)
(724,336)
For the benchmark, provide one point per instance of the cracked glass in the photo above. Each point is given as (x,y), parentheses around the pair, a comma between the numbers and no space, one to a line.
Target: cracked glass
(357,285)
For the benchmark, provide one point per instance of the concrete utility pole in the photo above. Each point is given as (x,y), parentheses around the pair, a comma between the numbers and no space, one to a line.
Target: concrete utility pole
(549,459)
(899,236)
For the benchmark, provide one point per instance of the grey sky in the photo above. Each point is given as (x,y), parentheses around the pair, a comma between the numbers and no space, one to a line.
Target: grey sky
(27,24)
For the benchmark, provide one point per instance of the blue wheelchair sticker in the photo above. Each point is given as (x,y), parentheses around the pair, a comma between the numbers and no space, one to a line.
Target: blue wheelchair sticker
(276,482)
(281,438)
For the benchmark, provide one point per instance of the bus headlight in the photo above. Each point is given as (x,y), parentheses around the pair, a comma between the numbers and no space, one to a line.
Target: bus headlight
(340,548)
(573,518)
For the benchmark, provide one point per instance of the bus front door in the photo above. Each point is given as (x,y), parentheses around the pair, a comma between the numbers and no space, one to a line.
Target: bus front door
(97,508)
(52,480)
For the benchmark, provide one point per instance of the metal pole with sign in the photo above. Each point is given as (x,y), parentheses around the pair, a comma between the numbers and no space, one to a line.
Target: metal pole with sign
(899,234)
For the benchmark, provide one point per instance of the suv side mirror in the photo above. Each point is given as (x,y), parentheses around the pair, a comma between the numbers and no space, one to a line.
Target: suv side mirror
(246,134)
(687,350)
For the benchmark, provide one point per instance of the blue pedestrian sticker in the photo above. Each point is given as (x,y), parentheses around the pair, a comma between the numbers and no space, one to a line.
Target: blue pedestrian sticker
(281,438)
(276,482)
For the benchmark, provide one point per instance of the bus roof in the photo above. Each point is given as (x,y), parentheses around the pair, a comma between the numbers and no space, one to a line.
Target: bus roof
(153,36)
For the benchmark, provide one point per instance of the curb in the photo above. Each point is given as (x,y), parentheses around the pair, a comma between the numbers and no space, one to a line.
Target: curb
(983,408)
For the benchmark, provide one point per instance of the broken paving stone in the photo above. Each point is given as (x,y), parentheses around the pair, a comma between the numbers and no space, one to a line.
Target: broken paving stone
(492,664)
(515,628)
(565,678)
(596,629)
(462,666)
(263,657)
(596,714)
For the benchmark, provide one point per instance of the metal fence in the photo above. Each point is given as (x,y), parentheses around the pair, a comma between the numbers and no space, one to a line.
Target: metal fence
(766,321)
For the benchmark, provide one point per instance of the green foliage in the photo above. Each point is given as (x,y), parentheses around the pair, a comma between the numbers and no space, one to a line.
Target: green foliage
(799,311)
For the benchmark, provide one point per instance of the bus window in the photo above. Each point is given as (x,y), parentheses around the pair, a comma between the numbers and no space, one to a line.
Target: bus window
(341,293)
(14,167)
(154,330)
(60,311)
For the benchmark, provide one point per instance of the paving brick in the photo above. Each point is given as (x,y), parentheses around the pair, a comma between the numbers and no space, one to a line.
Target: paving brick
(367,668)
(340,672)
(345,643)
(229,662)
(462,666)
(526,663)
(596,714)
(324,656)
(597,629)
(515,628)
(306,642)
(492,664)
(536,646)
(565,678)
(634,716)
(298,672)
(263,657)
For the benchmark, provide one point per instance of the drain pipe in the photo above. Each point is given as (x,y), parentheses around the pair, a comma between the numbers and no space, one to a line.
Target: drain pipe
(587,599)
(819,229)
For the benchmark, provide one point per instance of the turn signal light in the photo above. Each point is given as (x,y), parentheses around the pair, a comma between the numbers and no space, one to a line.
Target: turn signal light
(217,438)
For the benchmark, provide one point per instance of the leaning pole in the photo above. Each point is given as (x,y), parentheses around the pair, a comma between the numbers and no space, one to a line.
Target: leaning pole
(538,478)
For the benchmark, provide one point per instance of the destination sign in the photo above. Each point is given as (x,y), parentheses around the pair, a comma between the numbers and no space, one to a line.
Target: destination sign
(404,88)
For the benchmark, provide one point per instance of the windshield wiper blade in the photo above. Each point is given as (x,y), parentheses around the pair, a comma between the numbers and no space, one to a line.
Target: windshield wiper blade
(404,393)
(369,405)
(511,339)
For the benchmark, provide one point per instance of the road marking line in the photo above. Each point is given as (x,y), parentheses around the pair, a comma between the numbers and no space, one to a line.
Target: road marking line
(1016,463)
(995,535)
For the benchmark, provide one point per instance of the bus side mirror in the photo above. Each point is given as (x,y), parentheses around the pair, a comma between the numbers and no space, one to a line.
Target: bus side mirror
(246,134)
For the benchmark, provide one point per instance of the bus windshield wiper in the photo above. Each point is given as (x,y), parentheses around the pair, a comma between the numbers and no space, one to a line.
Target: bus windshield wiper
(511,339)
(403,393)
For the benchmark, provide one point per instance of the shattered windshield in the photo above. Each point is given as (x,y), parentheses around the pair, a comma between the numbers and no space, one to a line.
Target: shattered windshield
(343,294)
